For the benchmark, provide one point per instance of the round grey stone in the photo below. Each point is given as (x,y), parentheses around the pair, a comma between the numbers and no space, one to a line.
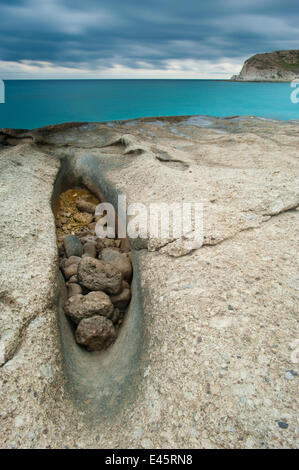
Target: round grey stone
(72,246)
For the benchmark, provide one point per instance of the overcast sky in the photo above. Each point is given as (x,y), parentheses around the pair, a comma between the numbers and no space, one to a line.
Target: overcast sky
(140,38)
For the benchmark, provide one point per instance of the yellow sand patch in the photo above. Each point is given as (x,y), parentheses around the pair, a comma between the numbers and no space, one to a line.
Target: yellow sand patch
(69,220)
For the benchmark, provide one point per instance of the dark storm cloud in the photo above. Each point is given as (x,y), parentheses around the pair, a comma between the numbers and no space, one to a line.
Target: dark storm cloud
(72,32)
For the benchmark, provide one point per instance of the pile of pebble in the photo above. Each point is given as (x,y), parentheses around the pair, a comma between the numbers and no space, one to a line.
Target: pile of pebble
(98,274)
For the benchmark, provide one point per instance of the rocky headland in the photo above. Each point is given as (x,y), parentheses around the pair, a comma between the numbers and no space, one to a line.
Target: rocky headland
(277,66)
(206,353)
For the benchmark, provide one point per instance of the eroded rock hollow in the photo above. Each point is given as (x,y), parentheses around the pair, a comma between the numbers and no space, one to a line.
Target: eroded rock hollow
(207,352)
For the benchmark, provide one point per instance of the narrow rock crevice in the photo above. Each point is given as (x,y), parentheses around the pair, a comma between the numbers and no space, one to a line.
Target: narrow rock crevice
(103,370)
(176,248)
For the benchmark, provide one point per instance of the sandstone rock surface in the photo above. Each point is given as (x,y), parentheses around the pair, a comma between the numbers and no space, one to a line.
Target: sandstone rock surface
(220,322)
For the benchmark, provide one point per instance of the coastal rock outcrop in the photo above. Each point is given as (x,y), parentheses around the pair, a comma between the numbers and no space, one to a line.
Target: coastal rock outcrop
(278,66)
(207,354)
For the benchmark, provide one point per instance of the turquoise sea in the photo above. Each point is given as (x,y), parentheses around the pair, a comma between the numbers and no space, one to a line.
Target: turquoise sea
(35,103)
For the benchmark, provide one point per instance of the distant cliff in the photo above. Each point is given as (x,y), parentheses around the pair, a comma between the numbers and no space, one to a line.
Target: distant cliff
(278,66)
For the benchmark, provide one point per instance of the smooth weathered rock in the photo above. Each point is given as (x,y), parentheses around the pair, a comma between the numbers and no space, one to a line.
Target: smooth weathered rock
(73,289)
(90,249)
(96,333)
(120,260)
(122,300)
(66,262)
(69,266)
(84,306)
(72,246)
(218,373)
(70,271)
(97,275)
(85,206)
